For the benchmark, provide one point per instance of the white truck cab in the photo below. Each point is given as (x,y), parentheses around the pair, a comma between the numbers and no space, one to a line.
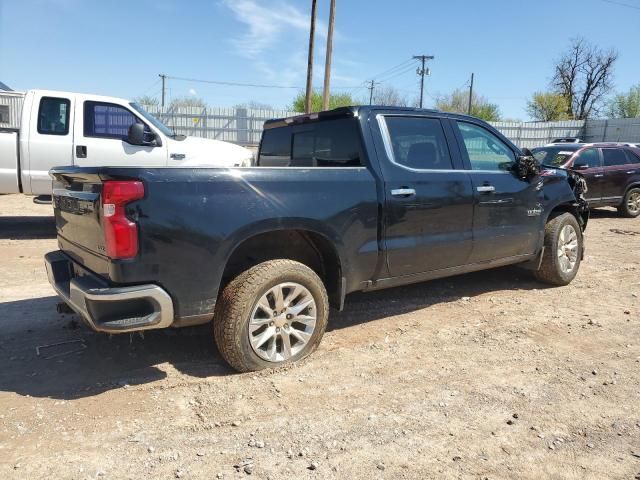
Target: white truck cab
(64,128)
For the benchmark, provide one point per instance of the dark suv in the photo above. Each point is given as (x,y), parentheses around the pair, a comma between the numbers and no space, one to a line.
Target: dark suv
(612,171)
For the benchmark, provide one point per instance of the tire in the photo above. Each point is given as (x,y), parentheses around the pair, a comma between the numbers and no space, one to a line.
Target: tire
(630,207)
(241,319)
(557,269)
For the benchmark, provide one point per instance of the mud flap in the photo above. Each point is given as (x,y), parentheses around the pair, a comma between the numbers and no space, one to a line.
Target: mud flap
(535,263)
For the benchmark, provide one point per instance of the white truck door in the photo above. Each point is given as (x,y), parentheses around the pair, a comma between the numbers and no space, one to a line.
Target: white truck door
(101,131)
(50,140)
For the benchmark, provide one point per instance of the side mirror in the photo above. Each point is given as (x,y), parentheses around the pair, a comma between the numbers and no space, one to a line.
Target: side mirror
(135,136)
(526,166)
(580,166)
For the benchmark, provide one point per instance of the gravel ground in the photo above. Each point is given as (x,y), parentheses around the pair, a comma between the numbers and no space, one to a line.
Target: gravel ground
(487,375)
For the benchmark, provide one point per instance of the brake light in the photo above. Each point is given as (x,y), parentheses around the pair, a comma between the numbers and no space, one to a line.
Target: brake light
(120,233)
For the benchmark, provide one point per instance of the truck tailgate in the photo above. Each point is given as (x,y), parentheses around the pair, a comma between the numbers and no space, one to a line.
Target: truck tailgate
(77,207)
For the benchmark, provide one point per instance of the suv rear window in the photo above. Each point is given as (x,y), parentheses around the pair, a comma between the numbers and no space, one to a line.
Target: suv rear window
(327,143)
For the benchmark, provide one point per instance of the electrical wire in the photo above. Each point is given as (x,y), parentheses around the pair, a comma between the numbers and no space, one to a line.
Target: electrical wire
(231,84)
(397,74)
(393,69)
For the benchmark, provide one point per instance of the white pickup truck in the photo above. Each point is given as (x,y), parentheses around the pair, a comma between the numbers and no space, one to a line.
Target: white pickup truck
(63,128)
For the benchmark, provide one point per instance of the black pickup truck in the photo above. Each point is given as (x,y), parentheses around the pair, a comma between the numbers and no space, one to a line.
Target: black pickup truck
(358,198)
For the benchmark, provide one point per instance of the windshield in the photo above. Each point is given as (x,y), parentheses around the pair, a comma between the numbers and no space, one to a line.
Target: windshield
(153,120)
(555,156)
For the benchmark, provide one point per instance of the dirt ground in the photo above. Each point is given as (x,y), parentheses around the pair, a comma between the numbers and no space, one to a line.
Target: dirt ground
(488,375)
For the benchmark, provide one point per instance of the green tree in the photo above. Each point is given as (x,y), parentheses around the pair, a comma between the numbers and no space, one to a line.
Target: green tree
(548,107)
(335,100)
(626,105)
(458,102)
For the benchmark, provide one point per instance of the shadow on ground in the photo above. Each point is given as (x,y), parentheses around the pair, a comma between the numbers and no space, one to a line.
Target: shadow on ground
(14,228)
(100,362)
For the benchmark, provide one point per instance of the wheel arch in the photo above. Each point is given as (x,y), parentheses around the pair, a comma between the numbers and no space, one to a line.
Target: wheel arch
(308,246)
(629,187)
(572,208)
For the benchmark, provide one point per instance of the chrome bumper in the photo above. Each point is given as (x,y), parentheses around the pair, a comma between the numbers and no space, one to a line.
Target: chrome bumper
(104,308)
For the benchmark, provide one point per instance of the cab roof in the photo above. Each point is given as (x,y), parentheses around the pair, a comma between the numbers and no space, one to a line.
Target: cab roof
(353,111)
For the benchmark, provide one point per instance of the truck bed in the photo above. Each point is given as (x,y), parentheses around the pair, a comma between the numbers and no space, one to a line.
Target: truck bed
(191,220)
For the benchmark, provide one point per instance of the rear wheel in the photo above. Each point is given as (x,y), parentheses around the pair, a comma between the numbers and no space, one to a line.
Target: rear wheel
(631,204)
(270,315)
(563,250)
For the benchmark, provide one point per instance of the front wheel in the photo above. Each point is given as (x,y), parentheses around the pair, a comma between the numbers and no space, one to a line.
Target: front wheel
(563,243)
(272,314)
(630,207)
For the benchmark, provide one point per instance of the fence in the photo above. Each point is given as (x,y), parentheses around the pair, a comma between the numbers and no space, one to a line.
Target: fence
(238,125)
(244,126)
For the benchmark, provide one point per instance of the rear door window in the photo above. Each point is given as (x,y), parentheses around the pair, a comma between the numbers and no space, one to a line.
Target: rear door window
(613,156)
(53,116)
(418,143)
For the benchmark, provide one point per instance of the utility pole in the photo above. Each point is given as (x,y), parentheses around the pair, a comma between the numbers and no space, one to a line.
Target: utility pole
(327,66)
(470,95)
(312,33)
(371,86)
(164,78)
(422,72)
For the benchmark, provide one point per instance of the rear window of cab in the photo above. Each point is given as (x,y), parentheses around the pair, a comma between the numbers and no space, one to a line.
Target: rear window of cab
(327,143)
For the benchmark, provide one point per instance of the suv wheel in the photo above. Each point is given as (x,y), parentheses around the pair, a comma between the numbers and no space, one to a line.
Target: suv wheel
(563,250)
(272,314)
(631,204)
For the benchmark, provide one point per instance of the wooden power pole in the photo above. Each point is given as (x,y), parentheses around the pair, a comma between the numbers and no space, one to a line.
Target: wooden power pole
(312,33)
(327,66)
(422,72)
(470,95)
(164,79)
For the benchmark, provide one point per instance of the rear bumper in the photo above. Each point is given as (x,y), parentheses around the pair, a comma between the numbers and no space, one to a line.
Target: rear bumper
(105,308)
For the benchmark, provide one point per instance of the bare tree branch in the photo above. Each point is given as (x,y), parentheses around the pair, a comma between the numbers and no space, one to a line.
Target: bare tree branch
(584,76)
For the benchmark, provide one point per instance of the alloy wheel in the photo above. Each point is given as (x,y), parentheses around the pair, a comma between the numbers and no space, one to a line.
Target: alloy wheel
(282,322)
(568,248)
(633,203)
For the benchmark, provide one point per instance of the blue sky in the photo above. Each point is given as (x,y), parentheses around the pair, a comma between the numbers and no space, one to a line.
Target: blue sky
(118,47)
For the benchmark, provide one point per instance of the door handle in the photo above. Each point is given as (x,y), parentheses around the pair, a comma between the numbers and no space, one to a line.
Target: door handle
(631,172)
(403,192)
(599,175)
(486,188)
(81,151)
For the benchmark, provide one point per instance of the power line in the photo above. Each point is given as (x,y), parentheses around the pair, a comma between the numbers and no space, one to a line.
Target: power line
(251,85)
(231,84)
(393,69)
(397,74)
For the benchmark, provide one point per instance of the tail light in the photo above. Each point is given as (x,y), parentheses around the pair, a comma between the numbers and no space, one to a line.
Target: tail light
(120,233)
